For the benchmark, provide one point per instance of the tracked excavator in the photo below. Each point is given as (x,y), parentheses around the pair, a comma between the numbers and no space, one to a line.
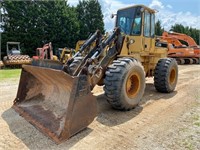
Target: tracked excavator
(57,99)
(14,58)
(182,53)
(189,54)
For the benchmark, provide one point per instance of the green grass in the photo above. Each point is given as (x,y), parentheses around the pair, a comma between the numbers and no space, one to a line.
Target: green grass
(9,73)
(188,144)
(196,117)
(197,124)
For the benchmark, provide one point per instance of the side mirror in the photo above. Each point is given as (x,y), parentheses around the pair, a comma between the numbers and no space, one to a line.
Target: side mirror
(113,15)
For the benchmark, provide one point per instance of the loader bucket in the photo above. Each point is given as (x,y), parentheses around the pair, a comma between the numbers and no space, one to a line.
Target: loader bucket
(56,103)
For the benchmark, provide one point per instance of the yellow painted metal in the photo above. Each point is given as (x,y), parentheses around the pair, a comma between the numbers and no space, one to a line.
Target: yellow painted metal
(172,76)
(133,85)
(143,48)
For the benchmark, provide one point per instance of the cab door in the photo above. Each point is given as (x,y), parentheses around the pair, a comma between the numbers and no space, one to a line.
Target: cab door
(148,31)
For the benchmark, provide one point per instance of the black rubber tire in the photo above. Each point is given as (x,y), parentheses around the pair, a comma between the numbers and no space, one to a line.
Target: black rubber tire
(166,75)
(116,79)
(75,63)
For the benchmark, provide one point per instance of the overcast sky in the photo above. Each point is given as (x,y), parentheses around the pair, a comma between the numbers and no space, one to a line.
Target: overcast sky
(186,12)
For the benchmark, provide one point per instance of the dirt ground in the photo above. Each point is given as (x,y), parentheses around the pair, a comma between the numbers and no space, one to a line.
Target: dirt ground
(161,121)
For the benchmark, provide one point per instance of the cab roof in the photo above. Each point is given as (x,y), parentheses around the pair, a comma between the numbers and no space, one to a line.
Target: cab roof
(143,6)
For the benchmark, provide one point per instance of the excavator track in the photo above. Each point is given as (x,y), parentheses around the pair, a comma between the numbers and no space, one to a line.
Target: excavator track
(183,61)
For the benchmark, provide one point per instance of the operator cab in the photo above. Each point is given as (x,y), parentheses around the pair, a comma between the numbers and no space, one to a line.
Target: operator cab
(131,19)
(138,25)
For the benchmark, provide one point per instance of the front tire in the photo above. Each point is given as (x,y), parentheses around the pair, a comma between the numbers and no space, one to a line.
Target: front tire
(166,75)
(124,83)
(73,66)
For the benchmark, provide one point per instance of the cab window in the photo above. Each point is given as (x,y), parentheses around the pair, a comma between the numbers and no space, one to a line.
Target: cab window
(152,25)
(125,19)
(137,23)
(125,24)
(147,24)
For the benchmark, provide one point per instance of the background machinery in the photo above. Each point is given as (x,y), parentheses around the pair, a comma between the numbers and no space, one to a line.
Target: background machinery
(57,98)
(45,52)
(67,53)
(14,57)
(184,54)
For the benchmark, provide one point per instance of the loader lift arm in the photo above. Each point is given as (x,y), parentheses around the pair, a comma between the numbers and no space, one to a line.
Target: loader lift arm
(86,44)
(113,43)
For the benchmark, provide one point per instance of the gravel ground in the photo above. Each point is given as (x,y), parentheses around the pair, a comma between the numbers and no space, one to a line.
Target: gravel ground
(161,121)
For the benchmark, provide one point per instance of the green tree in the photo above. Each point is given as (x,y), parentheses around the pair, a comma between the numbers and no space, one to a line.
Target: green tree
(34,22)
(178,28)
(194,33)
(12,26)
(90,17)
(158,29)
(61,26)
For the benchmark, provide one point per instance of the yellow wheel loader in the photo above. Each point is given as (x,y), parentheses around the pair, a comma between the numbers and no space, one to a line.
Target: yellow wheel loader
(57,99)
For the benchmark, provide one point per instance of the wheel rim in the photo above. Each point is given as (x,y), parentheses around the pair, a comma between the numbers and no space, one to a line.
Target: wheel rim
(132,85)
(172,77)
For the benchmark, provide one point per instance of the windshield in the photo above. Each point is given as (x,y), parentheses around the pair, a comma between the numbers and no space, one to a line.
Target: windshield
(129,20)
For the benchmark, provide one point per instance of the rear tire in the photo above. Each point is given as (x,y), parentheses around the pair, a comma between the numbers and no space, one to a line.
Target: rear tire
(124,83)
(166,75)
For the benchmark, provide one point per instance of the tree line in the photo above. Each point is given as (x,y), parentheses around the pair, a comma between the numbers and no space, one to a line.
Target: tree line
(193,32)
(33,23)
